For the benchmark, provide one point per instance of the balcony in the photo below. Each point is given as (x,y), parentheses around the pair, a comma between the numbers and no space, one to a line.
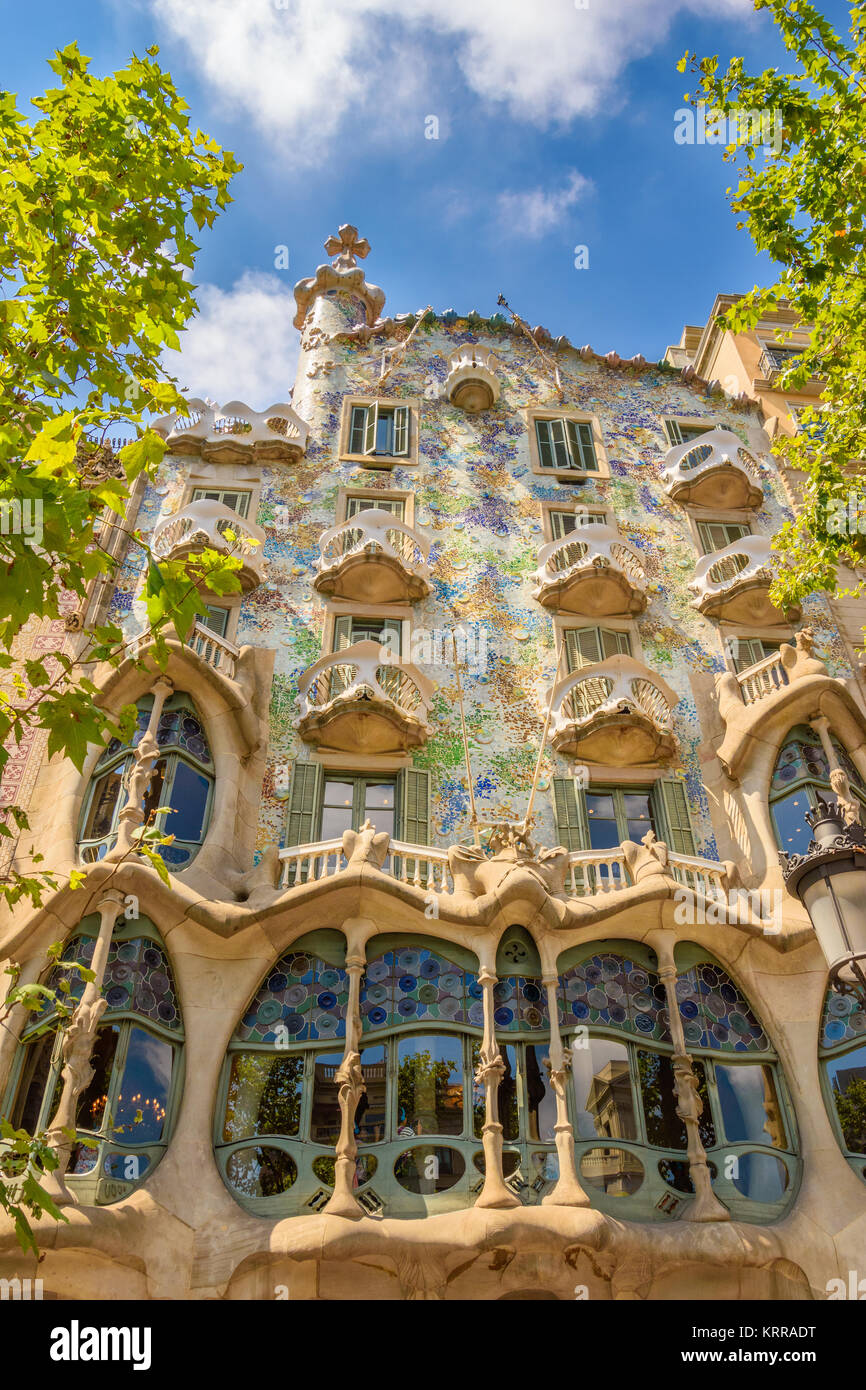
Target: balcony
(713,470)
(355,701)
(235,434)
(734,583)
(591,571)
(616,712)
(471,382)
(201,526)
(220,654)
(373,558)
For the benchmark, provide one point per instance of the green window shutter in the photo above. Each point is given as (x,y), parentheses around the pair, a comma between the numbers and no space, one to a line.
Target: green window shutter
(401,431)
(582,446)
(370,427)
(545,443)
(356,431)
(415,806)
(674,433)
(562,457)
(672,814)
(582,647)
(217,619)
(561,524)
(342,634)
(570,807)
(302,820)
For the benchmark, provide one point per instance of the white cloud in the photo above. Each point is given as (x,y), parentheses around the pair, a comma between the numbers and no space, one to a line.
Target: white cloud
(241,345)
(305,71)
(534,212)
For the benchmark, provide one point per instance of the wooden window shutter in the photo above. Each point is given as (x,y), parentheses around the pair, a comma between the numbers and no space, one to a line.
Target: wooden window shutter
(370,429)
(401,430)
(674,433)
(582,446)
(672,813)
(570,807)
(357,429)
(415,806)
(302,820)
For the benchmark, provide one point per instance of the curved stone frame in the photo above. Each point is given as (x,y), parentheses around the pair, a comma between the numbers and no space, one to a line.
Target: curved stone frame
(803,783)
(94,1187)
(829,1052)
(656,1199)
(167,751)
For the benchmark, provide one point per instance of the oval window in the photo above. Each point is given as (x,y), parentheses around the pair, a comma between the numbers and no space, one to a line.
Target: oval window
(510,1162)
(429,1168)
(261,1172)
(760,1177)
(324,1168)
(616,1172)
(675,1172)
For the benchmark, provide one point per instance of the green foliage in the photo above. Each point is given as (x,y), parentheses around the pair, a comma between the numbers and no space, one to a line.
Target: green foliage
(102,188)
(851,1109)
(806,207)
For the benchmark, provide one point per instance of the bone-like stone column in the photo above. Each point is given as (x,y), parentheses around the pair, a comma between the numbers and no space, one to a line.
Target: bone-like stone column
(568,1191)
(706,1205)
(350,1079)
(80,1035)
(494,1193)
(131,818)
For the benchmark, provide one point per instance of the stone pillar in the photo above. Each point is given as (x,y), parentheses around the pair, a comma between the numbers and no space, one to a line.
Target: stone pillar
(80,1033)
(131,818)
(489,1074)
(706,1205)
(568,1191)
(350,1080)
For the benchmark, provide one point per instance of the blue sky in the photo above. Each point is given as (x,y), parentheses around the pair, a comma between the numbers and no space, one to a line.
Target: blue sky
(555,129)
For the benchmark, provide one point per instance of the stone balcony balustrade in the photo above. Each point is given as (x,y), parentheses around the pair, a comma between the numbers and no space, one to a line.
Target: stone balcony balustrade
(202,526)
(219,653)
(714,470)
(616,712)
(234,433)
(364,700)
(591,571)
(734,583)
(471,382)
(373,558)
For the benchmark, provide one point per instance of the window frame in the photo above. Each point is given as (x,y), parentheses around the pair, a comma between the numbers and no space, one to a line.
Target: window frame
(673,425)
(370,458)
(568,416)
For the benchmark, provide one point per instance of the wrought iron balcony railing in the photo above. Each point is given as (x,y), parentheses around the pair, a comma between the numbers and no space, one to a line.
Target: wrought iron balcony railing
(364,700)
(615,711)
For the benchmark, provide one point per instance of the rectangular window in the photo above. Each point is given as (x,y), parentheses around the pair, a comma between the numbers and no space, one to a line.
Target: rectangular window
(778,355)
(678,432)
(348,801)
(235,498)
(615,814)
(566,444)
(386,631)
(586,645)
(715,535)
(563,523)
(748,651)
(379,430)
(216,620)
(395,505)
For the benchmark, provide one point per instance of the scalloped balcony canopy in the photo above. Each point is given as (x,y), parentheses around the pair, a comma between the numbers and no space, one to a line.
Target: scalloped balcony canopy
(363,700)
(202,526)
(233,432)
(592,570)
(734,583)
(714,470)
(616,712)
(373,558)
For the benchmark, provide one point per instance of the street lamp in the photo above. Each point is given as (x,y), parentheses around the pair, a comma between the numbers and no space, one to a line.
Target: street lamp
(830,881)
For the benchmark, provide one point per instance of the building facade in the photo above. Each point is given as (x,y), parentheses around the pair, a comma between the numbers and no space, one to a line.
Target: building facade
(475,976)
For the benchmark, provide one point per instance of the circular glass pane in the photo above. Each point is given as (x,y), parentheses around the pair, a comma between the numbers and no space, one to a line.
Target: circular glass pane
(760,1177)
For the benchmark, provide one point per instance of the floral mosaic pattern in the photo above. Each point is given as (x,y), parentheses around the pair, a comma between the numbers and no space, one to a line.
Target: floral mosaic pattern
(715,1013)
(138,979)
(613,991)
(843,1020)
(302,995)
(409,986)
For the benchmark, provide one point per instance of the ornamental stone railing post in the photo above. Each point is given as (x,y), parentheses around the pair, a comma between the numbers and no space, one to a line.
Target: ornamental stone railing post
(350,1079)
(131,818)
(489,1073)
(80,1034)
(706,1205)
(568,1191)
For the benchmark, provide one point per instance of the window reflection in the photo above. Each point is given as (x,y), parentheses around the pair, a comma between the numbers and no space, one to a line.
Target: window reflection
(139,1115)
(750,1106)
(429,1085)
(509,1114)
(264,1095)
(602,1090)
(664,1127)
(847,1076)
(540,1097)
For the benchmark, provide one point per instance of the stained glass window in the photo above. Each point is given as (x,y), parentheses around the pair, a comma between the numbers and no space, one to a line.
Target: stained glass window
(303,998)
(414,985)
(614,992)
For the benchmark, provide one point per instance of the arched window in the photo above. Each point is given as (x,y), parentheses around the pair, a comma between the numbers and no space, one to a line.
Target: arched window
(125,1114)
(843,1065)
(800,776)
(182,778)
(630,1141)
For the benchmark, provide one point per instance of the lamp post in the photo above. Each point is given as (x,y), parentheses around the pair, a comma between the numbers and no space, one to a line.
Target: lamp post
(830,881)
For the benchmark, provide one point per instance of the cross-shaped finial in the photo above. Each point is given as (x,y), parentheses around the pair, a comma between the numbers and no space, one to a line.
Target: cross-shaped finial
(346,246)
